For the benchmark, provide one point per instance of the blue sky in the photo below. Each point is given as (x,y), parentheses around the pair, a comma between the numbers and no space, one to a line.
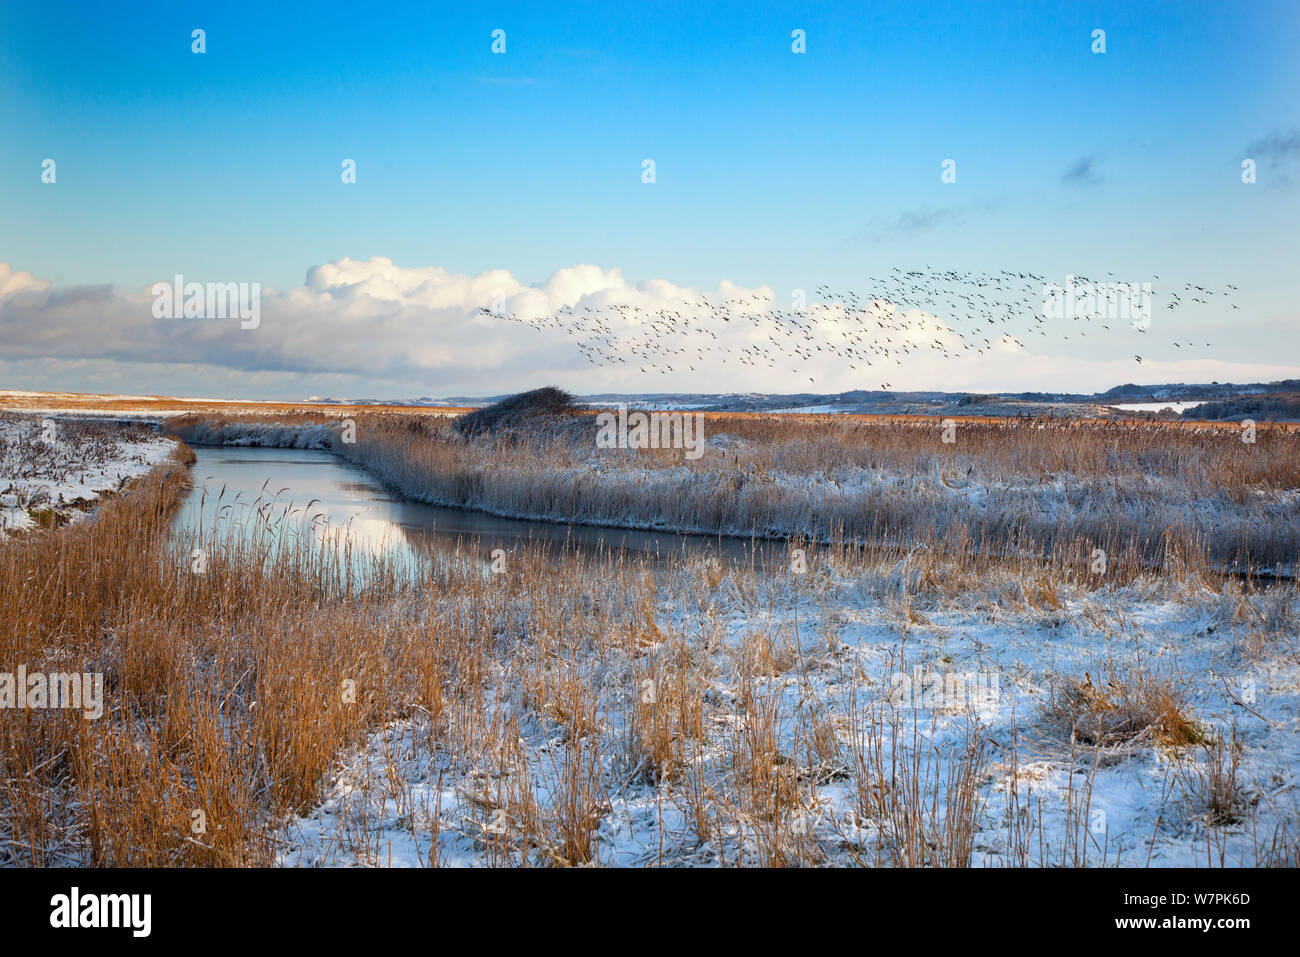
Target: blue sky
(772,168)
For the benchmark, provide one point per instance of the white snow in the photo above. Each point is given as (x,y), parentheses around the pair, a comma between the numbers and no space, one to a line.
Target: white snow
(51,463)
(1133,805)
(1177,407)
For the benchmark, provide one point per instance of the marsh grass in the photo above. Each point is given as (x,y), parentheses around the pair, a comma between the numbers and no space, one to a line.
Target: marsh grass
(1147,495)
(1126,705)
(242,697)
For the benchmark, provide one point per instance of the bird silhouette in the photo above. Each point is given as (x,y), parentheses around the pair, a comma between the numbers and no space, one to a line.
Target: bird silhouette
(903,314)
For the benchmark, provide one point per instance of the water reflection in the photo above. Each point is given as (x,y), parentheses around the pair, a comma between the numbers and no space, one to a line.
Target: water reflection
(295,492)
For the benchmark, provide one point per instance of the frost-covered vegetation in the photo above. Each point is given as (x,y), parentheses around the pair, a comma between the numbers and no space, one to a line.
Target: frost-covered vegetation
(1137,706)
(51,470)
(716,715)
(1145,494)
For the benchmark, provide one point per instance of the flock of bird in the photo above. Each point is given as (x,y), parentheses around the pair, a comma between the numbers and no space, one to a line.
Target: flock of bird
(948,313)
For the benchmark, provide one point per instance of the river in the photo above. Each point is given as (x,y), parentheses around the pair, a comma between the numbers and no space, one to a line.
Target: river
(321,490)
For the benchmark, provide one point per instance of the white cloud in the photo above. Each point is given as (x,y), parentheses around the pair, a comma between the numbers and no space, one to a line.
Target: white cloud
(375,328)
(15,281)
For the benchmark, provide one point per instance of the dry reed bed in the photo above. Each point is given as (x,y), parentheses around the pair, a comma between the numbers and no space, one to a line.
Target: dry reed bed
(723,716)
(221,688)
(527,717)
(1146,495)
(48,469)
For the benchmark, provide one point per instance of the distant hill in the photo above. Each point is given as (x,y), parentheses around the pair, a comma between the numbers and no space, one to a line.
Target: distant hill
(1265,407)
(1260,400)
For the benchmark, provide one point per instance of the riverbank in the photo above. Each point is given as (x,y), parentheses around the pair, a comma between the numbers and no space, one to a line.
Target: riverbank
(783,683)
(1143,496)
(901,706)
(53,470)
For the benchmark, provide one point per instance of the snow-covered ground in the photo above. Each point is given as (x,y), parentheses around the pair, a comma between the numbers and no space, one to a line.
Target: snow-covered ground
(1177,407)
(825,409)
(50,465)
(796,678)
(1039,798)
(791,742)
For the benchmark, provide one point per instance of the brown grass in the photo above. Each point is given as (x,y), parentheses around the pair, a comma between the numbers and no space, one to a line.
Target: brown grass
(233,695)
(1126,704)
(1148,496)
